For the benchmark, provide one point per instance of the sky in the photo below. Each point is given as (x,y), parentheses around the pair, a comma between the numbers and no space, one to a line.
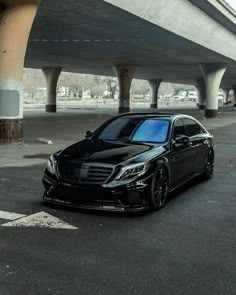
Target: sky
(232,3)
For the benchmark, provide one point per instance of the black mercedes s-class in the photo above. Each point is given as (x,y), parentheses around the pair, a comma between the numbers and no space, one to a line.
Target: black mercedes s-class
(130,163)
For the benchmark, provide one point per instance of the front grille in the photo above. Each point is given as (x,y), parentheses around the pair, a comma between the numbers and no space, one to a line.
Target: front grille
(98,174)
(85,172)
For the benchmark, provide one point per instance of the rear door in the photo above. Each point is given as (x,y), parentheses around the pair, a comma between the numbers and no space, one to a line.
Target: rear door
(199,141)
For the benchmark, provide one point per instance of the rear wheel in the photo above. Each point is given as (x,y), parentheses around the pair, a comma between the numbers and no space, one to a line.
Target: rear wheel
(159,189)
(209,166)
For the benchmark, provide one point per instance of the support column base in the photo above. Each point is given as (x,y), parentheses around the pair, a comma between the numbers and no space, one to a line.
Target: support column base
(201,107)
(11,131)
(211,113)
(122,110)
(153,106)
(51,108)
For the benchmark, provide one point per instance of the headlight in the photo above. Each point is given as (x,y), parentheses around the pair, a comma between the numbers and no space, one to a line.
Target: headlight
(132,171)
(51,165)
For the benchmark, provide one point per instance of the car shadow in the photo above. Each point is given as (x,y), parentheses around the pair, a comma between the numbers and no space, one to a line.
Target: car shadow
(185,187)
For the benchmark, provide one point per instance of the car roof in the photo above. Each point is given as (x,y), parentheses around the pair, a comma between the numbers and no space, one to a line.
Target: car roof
(150,115)
(165,115)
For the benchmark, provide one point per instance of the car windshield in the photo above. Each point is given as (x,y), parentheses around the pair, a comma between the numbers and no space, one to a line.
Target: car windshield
(136,129)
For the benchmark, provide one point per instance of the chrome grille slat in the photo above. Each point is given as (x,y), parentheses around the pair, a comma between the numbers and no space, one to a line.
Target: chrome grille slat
(97,176)
(101,172)
(85,173)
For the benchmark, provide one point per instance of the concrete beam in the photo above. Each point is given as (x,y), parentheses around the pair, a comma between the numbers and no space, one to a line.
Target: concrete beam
(212,74)
(190,22)
(219,10)
(125,75)
(154,84)
(51,75)
(16,18)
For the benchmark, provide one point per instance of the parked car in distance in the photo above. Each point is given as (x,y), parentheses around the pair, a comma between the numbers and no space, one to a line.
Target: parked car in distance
(192,95)
(130,163)
(176,98)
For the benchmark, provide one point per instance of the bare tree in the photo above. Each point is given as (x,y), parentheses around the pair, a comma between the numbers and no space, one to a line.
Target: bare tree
(76,84)
(139,87)
(33,81)
(111,86)
(72,82)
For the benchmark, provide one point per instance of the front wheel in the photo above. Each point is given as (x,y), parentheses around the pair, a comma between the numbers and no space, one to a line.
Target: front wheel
(159,189)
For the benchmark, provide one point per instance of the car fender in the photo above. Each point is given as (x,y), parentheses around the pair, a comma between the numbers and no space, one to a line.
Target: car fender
(163,162)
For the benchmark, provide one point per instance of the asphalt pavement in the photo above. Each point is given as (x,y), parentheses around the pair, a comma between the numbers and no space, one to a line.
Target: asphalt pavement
(188,247)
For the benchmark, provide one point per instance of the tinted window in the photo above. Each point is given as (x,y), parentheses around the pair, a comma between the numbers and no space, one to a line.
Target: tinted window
(179,128)
(152,130)
(136,129)
(192,128)
(119,128)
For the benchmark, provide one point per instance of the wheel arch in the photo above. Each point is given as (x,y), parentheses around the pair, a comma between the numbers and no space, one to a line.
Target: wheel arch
(165,163)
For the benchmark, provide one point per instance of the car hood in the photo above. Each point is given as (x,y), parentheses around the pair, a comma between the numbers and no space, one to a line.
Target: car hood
(112,152)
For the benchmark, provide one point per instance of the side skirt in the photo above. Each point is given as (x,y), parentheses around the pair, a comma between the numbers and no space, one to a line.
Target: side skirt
(183,182)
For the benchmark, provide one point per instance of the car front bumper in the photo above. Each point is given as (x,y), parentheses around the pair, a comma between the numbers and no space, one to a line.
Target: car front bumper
(130,197)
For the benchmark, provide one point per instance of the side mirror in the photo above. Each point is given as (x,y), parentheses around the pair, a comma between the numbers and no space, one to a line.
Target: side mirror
(181,139)
(88,134)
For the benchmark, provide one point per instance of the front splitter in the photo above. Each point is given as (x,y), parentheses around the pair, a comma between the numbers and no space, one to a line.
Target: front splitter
(97,207)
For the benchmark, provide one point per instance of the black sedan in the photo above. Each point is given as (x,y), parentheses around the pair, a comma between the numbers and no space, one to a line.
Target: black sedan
(130,163)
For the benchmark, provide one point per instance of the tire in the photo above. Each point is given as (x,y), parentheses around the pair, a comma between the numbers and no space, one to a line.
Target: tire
(209,166)
(159,189)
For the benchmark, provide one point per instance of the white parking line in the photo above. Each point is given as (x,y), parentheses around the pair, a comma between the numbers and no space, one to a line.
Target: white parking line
(41,220)
(10,216)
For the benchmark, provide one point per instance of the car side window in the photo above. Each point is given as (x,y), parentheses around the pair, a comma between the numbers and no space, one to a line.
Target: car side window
(192,127)
(178,128)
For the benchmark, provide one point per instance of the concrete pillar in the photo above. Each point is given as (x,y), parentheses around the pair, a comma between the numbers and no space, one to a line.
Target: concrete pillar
(154,84)
(226,95)
(234,101)
(201,87)
(51,75)
(125,75)
(212,74)
(16,18)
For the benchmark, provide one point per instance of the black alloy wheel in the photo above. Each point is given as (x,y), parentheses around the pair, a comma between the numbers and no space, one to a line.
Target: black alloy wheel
(159,189)
(209,166)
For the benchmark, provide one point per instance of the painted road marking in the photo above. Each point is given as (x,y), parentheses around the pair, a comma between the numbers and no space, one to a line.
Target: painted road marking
(10,216)
(40,219)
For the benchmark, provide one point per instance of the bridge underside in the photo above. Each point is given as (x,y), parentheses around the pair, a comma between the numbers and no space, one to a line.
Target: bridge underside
(90,36)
